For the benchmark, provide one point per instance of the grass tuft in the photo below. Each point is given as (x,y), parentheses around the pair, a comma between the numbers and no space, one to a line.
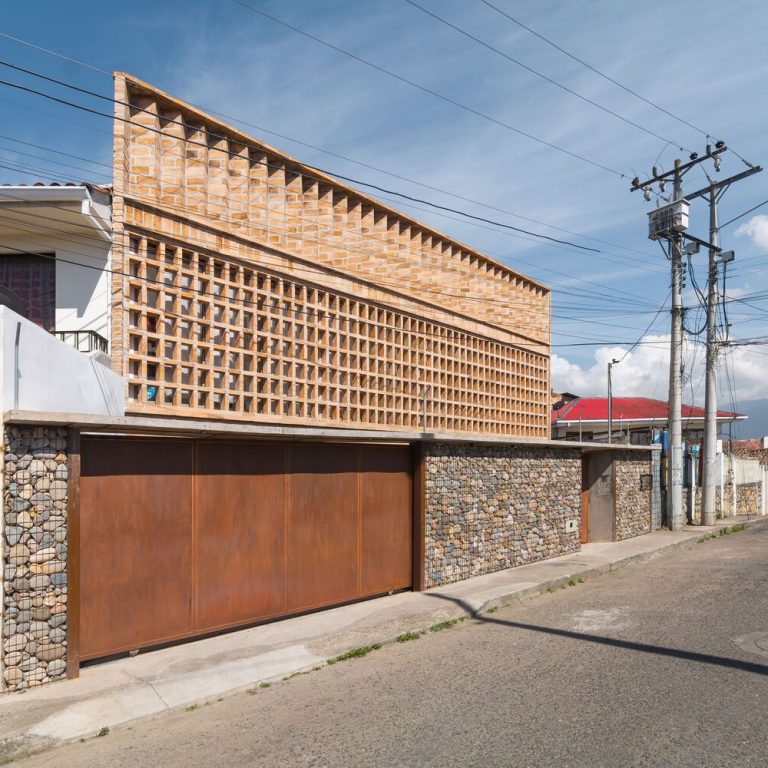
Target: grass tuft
(104,731)
(440,626)
(355,653)
(406,636)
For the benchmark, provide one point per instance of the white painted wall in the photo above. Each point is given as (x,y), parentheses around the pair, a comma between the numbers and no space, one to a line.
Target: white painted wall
(745,469)
(68,223)
(52,376)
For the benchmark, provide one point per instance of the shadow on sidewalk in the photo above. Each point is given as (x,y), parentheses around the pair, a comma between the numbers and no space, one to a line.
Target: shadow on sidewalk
(629,645)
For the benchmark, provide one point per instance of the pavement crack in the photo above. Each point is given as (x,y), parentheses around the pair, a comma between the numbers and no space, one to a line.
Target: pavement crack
(152,686)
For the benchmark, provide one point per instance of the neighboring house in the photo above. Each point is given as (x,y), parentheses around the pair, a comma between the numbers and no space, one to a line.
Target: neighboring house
(636,420)
(56,243)
(559,399)
(305,387)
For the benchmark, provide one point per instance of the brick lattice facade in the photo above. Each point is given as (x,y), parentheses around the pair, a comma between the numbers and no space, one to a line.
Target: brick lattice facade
(491,507)
(289,251)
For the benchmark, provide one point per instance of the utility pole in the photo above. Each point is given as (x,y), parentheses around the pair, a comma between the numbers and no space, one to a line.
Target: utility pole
(610,401)
(675,516)
(713,193)
(668,223)
(710,383)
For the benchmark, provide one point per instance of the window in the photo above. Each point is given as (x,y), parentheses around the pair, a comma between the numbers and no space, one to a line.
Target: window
(29,285)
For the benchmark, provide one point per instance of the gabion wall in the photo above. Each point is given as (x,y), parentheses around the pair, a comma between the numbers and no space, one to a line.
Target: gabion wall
(634,494)
(491,507)
(34,552)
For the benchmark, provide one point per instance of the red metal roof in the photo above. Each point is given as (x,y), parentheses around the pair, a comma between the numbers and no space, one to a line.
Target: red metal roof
(640,408)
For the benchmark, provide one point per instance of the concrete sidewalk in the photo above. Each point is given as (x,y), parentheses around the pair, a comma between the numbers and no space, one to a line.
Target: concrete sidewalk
(153,683)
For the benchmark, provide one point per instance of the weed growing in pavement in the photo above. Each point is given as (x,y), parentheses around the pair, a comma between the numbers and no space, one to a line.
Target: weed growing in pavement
(733,529)
(355,653)
(296,674)
(406,636)
(104,731)
(493,609)
(723,532)
(191,708)
(447,624)
(551,589)
(264,685)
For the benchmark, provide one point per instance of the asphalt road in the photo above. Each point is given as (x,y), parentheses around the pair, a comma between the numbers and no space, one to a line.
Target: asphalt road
(636,668)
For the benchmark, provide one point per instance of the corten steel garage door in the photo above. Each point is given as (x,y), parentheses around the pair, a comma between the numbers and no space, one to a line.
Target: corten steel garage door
(180,538)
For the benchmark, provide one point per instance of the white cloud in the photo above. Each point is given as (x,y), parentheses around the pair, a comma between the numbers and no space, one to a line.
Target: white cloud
(757,229)
(645,373)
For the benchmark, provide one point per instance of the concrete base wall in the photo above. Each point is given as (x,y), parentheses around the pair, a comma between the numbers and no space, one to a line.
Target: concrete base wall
(34,556)
(491,507)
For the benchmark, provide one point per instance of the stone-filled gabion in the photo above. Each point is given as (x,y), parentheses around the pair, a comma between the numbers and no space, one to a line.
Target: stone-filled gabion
(490,507)
(749,500)
(34,549)
(633,494)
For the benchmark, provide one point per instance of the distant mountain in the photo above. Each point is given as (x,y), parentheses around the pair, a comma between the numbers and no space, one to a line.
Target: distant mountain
(757,423)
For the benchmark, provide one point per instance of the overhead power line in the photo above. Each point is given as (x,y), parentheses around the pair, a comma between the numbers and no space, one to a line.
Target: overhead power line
(13,217)
(346,158)
(648,328)
(54,175)
(310,168)
(290,312)
(430,91)
(337,175)
(742,215)
(546,78)
(595,69)
(54,53)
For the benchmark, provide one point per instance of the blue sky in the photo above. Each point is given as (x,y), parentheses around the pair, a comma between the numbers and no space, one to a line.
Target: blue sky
(690,57)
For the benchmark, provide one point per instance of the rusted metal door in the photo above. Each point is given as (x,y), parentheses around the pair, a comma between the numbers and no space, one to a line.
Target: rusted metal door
(386,524)
(239,527)
(180,538)
(323,558)
(135,543)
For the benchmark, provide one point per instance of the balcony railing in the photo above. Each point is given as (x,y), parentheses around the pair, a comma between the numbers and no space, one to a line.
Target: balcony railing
(84,341)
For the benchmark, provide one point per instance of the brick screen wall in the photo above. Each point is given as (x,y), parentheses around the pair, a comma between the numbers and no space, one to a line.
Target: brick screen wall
(188,184)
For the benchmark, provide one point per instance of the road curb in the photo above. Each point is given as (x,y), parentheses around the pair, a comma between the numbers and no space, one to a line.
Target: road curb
(517,596)
(20,745)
